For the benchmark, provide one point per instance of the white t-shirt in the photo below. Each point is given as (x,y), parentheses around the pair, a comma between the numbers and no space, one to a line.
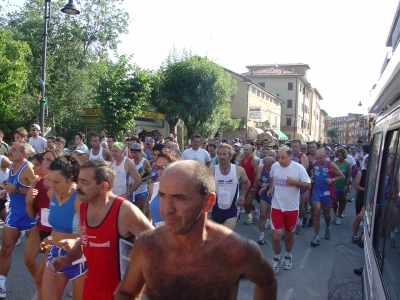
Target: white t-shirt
(350,160)
(286,198)
(200,155)
(39,144)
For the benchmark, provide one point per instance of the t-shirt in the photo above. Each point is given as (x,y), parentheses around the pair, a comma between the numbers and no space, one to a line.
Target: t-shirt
(199,155)
(286,197)
(39,144)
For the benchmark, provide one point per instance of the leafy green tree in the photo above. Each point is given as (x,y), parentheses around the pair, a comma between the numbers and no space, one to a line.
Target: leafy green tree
(331,132)
(122,94)
(77,52)
(195,90)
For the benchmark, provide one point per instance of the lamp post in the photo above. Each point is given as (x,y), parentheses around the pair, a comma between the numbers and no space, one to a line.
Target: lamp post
(71,9)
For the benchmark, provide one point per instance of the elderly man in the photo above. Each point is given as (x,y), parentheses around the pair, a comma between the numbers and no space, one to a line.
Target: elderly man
(201,259)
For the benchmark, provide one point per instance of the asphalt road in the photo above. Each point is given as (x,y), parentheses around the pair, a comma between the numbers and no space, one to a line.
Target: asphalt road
(324,272)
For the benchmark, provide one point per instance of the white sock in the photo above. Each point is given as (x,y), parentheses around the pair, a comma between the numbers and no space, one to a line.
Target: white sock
(277,256)
(2,281)
(288,254)
(262,233)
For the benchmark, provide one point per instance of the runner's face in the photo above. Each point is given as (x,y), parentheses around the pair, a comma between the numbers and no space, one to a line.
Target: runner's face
(154,155)
(312,148)
(295,148)
(37,167)
(47,159)
(109,143)
(217,142)
(223,156)
(180,203)
(321,158)
(59,145)
(265,152)
(162,162)
(268,166)
(17,138)
(87,188)
(15,153)
(283,158)
(212,151)
(339,156)
(95,142)
(116,153)
(50,144)
(58,183)
(247,151)
(196,143)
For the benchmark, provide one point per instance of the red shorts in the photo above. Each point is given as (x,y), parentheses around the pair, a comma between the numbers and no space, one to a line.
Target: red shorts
(91,292)
(284,219)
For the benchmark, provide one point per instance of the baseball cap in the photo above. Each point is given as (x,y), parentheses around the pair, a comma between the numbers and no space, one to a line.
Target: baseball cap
(327,147)
(80,151)
(238,144)
(352,147)
(136,146)
(36,126)
(148,139)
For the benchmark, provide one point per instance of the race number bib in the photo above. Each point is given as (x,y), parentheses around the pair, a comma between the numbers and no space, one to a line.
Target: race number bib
(44,217)
(327,193)
(224,198)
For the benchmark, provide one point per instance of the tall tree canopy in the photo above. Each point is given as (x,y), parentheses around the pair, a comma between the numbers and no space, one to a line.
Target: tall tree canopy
(195,90)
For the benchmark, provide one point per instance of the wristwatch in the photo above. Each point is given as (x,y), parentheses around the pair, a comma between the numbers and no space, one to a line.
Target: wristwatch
(17,190)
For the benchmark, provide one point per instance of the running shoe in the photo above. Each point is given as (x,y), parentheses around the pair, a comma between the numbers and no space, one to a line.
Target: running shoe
(392,242)
(343,215)
(250,219)
(267,224)
(310,223)
(256,215)
(350,200)
(338,221)
(287,265)
(3,293)
(298,229)
(354,239)
(242,211)
(315,242)
(261,239)
(304,223)
(276,263)
(309,209)
(334,217)
(327,233)
(21,235)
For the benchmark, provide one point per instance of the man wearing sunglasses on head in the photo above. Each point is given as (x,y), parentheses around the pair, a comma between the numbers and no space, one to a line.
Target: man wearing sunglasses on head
(36,141)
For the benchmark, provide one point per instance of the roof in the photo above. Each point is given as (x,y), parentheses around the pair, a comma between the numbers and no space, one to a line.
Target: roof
(317,92)
(277,65)
(269,71)
(393,27)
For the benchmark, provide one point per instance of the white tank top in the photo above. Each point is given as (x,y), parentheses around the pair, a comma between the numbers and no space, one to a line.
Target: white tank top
(99,155)
(120,179)
(143,186)
(226,187)
(3,175)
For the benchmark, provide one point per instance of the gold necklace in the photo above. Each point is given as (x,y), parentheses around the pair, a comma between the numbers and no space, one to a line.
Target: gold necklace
(60,202)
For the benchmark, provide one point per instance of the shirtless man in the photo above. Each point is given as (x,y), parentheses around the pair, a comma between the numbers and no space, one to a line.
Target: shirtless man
(201,259)
(302,159)
(227,178)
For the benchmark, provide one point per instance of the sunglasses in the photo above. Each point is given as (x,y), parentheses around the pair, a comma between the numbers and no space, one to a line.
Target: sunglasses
(160,168)
(77,138)
(135,150)
(148,144)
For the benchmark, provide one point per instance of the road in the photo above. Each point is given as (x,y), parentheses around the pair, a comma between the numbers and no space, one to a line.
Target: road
(324,272)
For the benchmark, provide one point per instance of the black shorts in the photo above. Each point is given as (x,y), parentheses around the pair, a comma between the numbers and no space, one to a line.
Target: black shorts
(2,204)
(359,204)
(43,234)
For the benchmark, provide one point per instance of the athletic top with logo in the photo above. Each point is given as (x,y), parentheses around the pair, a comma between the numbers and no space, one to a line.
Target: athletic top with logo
(121,182)
(247,166)
(226,187)
(42,203)
(340,185)
(98,156)
(286,197)
(17,215)
(63,218)
(297,158)
(154,206)
(106,252)
(321,187)
(142,172)
(310,165)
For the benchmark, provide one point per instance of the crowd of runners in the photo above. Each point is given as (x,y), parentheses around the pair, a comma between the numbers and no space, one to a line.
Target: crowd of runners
(86,208)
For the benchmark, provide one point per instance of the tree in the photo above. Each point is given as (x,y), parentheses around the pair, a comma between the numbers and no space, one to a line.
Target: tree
(331,132)
(195,90)
(122,94)
(77,52)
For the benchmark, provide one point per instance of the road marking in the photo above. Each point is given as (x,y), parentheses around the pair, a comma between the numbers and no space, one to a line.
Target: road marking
(306,254)
(288,294)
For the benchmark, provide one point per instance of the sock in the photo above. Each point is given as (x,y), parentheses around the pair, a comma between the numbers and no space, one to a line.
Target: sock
(262,233)
(288,254)
(391,234)
(277,256)
(2,281)
(299,221)
(317,236)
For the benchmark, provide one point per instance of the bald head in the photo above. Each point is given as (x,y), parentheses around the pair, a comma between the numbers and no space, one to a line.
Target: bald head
(268,161)
(283,157)
(321,156)
(195,172)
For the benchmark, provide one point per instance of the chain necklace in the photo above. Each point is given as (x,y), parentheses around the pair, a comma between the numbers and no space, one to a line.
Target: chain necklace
(60,202)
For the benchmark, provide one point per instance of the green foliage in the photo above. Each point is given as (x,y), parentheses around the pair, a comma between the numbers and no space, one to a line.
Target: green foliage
(195,90)
(122,94)
(331,132)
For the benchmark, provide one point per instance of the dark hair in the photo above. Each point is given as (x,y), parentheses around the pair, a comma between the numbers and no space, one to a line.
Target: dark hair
(38,157)
(224,141)
(167,138)
(295,141)
(359,142)
(168,155)
(67,165)
(211,145)
(114,139)
(61,140)
(135,139)
(105,131)
(366,148)
(96,135)
(81,135)
(56,152)
(158,147)
(53,138)
(195,136)
(103,171)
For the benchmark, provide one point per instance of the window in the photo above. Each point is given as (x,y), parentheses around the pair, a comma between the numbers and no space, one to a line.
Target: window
(262,84)
(288,122)
(290,86)
(276,120)
(289,103)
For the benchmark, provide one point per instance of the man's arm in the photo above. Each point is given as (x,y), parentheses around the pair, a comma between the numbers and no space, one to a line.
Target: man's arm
(207,159)
(131,169)
(254,163)
(107,155)
(259,271)
(357,181)
(304,161)
(339,175)
(132,284)
(246,184)
(26,177)
(132,221)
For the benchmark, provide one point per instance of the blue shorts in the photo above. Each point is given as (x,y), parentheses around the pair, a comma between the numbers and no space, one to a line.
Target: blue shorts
(265,198)
(22,222)
(325,200)
(138,196)
(221,215)
(302,192)
(338,193)
(72,271)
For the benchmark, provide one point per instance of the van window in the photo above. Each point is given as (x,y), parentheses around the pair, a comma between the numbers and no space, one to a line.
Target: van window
(386,242)
(371,179)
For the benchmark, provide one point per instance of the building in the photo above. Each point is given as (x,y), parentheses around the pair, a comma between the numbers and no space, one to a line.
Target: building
(300,112)
(322,126)
(258,109)
(347,129)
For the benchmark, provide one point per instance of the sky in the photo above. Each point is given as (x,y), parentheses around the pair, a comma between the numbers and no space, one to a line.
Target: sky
(343,41)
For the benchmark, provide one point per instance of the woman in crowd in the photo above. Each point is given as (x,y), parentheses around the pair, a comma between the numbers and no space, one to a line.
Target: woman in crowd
(37,204)
(37,165)
(79,142)
(341,187)
(63,217)
(165,157)
(4,169)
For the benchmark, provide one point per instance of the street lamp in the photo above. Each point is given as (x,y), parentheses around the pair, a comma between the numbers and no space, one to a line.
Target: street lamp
(70,9)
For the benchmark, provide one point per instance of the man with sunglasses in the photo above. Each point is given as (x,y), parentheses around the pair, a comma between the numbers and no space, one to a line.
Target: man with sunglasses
(37,142)
(148,143)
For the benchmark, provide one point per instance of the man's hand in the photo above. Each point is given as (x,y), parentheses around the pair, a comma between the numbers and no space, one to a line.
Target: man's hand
(10,188)
(269,193)
(57,264)
(30,196)
(290,181)
(241,200)
(67,244)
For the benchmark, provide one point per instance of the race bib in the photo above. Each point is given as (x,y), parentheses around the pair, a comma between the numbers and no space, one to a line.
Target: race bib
(44,217)
(327,193)
(224,198)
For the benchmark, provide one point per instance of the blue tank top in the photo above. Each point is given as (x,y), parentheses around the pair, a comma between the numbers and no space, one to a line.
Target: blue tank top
(17,210)
(154,206)
(298,158)
(265,179)
(321,188)
(63,218)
